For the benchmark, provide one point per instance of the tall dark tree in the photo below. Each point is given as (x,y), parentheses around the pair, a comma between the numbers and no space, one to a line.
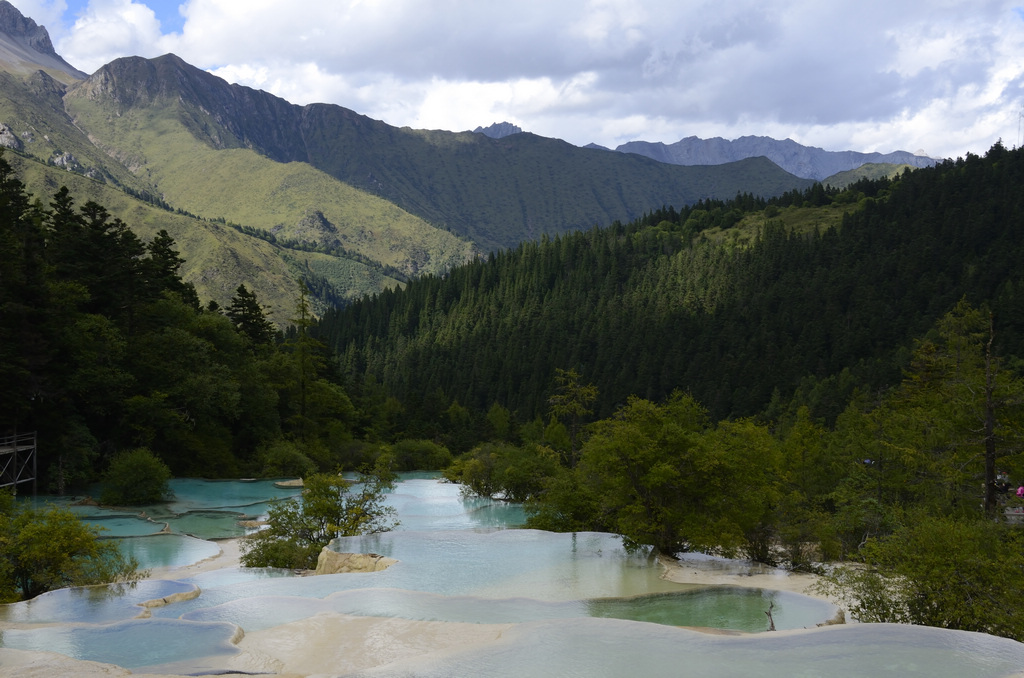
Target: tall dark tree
(162,270)
(249,317)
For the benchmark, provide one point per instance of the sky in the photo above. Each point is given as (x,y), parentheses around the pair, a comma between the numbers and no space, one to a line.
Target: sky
(944,77)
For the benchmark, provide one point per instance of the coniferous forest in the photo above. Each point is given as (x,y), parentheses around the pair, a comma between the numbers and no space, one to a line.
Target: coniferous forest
(708,377)
(654,306)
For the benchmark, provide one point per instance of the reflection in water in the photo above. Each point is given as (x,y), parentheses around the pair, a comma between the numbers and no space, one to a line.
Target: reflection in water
(94,604)
(577,604)
(130,644)
(168,550)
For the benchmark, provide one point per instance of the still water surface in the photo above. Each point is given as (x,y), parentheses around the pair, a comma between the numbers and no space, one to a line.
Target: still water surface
(581,604)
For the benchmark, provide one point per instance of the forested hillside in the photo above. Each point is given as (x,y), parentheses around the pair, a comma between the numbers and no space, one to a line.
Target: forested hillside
(105,349)
(652,306)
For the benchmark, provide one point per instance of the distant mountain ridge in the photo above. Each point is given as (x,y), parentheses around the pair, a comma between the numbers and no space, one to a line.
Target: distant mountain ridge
(346,203)
(493,192)
(804,161)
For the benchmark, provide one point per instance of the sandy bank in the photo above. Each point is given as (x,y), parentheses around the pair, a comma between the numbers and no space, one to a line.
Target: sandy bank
(229,556)
(705,571)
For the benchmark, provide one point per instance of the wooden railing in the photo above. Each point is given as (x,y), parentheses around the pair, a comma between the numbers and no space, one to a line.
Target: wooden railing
(17,459)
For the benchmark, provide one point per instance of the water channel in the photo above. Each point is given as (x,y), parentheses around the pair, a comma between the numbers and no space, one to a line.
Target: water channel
(562,604)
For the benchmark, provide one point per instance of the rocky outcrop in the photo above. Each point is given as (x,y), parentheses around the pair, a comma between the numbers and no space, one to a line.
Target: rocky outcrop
(173,598)
(332,562)
(67,161)
(8,139)
(16,25)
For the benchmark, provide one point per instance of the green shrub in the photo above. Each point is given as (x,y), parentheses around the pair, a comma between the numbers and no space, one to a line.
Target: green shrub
(50,548)
(420,455)
(329,507)
(136,477)
(283,459)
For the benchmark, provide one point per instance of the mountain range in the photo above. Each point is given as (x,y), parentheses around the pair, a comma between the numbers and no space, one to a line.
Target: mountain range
(260,191)
(803,161)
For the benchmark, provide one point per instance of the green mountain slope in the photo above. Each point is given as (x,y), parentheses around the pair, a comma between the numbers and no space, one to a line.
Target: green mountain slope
(218,257)
(32,108)
(496,192)
(673,301)
(871,170)
(244,187)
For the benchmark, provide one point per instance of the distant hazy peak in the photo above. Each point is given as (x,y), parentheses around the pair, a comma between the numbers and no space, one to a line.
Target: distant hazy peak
(498,130)
(23,41)
(804,161)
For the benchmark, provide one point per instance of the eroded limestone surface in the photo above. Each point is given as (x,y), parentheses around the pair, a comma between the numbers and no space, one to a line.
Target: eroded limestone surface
(332,562)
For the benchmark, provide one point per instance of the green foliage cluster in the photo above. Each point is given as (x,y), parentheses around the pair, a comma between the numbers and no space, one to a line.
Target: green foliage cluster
(329,507)
(501,469)
(136,477)
(938,571)
(42,549)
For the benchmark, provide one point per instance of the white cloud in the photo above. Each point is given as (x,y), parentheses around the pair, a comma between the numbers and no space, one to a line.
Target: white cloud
(108,29)
(46,13)
(848,74)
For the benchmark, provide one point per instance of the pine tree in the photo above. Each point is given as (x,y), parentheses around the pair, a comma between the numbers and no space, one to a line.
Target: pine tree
(249,317)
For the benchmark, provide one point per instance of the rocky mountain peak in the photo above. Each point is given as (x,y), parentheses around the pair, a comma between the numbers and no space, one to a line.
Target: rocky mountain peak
(26,45)
(498,130)
(17,25)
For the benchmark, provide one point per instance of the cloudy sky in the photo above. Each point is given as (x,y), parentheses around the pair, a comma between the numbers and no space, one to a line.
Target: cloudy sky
(942,76)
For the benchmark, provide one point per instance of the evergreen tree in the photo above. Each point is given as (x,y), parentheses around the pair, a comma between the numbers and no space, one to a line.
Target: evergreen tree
(249,317)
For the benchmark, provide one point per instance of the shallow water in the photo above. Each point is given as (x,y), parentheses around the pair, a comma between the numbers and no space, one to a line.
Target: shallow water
(212,509)
(594,648)
(580,604)
(168,550)
(93,604)
(497,577)
(130,644)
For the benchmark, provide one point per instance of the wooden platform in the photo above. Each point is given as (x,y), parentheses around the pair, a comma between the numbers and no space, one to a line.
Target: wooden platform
(17,459)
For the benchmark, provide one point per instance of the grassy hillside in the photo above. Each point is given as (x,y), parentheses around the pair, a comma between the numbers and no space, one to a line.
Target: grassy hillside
(243,187)
(32,107)
(217,257)
(871,170)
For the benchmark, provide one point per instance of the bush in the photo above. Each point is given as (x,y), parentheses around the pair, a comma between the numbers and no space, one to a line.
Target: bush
(298,529)
(136,477)
(420,455)
(939,571)
(281,458)
(47,549)
(514,472)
